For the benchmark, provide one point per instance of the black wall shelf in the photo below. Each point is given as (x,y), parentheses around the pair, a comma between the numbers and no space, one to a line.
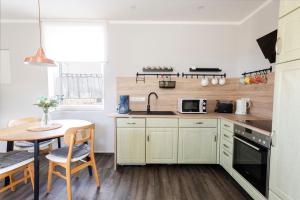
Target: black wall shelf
(205,70)
(158,69)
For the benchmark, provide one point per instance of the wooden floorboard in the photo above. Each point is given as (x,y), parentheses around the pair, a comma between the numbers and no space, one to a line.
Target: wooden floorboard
(151,182)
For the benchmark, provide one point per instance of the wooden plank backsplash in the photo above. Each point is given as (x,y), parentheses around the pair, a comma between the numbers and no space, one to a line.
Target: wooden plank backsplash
(261,95)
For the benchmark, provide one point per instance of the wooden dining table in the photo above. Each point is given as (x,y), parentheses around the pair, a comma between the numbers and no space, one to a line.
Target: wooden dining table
(21,133)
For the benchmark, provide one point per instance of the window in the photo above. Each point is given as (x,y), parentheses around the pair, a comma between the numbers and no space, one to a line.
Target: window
(79,49)
(77,83)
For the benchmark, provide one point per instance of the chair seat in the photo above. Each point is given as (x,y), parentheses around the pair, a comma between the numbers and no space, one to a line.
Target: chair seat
(28,146)
(60,155)
(13,160)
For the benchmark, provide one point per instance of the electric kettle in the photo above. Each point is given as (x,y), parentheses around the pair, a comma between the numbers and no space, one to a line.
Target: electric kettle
(242,106)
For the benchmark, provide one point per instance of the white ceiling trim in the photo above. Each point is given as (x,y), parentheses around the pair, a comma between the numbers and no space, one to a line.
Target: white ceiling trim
(25,21)
(174,22)
(263,5)
(139,22)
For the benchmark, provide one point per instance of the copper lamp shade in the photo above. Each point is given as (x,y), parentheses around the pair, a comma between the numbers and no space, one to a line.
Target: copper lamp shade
(40,58)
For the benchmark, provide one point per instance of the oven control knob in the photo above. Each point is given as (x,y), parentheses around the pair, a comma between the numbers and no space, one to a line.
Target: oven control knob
(203,103)
(243,133)
(264,142)
(253,138)
(259,140)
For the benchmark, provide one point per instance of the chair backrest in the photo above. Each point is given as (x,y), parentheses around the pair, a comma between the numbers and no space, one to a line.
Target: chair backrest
(79,135)
(22,121)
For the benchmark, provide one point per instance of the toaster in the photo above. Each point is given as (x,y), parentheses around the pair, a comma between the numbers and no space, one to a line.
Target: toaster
(224,106)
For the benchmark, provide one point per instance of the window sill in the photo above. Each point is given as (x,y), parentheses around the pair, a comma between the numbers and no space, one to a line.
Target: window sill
(80,108)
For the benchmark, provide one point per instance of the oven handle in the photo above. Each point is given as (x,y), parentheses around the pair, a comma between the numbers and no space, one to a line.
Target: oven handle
(246,143)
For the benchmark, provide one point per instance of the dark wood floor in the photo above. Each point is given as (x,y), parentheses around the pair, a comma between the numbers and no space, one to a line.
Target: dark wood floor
(153,182)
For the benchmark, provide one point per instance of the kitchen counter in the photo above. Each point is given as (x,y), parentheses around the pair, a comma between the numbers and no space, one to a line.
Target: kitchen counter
(236,119)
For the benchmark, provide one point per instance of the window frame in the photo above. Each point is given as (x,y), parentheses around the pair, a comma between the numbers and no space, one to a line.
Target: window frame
(53,73)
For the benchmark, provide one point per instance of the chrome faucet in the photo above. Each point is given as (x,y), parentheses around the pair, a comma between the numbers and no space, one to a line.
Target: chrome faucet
(148,105)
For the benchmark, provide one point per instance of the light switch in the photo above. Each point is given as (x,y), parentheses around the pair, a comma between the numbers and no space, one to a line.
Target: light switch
(137,99)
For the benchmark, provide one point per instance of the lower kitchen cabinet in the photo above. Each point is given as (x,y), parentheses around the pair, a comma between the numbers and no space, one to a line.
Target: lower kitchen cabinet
(161,145)
(226,160)
(131,146)
(197,145)
(226,145)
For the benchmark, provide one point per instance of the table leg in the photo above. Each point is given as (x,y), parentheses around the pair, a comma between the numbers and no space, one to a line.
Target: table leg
(58,143)
(9,147)
(36,170)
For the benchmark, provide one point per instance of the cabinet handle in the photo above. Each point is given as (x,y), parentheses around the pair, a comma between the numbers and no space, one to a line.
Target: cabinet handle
(226,125)
(216,138)
(226,136)
(148,138)
(226,146)
(278,46)
(199,122)
(131,123)
(226,154)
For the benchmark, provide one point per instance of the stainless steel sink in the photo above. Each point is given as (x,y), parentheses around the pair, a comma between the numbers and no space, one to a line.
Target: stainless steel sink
(152,113)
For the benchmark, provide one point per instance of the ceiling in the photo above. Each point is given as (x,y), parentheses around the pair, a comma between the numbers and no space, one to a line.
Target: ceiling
(152,10)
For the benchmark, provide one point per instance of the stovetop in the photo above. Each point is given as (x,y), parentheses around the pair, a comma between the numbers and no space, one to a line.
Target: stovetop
(265,125)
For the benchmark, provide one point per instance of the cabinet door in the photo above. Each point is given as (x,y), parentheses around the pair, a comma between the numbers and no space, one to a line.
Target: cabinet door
(131,145)
(288,42)
(161,145)
(226,160)
(285,157)
(197,145)
(287,6)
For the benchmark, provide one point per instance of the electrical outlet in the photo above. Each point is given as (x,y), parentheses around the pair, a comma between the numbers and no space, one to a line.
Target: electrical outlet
(137,99)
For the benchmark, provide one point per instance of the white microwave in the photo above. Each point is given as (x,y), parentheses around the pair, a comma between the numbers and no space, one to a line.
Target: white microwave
(192,105)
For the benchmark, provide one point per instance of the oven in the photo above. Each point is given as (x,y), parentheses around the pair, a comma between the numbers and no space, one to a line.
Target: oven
(251,157)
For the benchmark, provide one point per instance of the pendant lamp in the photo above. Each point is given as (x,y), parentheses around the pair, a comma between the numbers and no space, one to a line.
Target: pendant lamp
(40,58)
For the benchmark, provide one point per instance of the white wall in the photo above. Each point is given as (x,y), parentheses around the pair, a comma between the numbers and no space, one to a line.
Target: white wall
(265,21)
(130,47)
(28,82)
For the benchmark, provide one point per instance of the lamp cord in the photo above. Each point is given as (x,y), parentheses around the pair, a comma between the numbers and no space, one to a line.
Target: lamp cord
(40,26)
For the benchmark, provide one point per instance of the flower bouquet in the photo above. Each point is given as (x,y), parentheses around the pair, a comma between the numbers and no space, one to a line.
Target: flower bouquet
(46,103)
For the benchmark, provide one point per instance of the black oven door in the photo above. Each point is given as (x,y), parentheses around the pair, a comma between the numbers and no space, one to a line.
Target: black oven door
(190,106)
(251,161)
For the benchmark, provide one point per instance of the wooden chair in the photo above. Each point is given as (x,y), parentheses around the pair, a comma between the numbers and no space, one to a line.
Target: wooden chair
(80,145)
(45,146)
(12,163)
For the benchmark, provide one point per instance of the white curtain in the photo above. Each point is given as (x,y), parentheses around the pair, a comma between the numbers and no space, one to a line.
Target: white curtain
(75,41)
(82,86)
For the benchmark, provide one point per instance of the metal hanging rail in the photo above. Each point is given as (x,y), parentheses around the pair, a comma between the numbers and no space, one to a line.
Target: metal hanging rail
(141,76)
(158,74)
(203,75)
(267,70)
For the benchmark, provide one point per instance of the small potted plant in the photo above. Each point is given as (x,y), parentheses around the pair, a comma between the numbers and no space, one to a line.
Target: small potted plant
(46,103)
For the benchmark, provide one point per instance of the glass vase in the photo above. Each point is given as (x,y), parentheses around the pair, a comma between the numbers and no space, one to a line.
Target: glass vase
(46,120)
